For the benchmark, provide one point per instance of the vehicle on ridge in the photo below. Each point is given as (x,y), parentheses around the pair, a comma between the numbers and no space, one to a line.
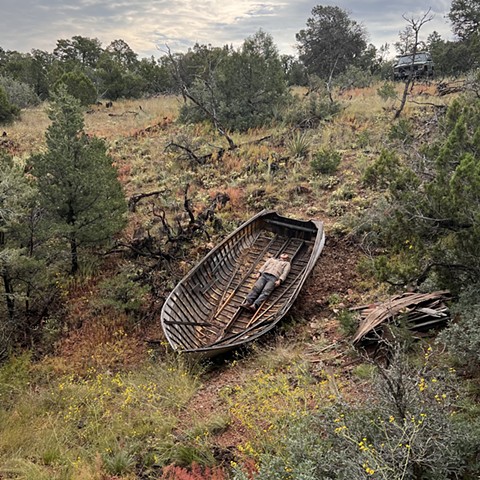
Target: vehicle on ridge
(418,65)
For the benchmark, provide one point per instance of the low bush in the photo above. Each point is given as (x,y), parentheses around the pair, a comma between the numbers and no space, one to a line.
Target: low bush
(462,337)
(309,111)
(325,161)
(348,321)
(354,77)
(8,111)
(19,94)
(123,293)
(408,427)
(402,131)
(387,91)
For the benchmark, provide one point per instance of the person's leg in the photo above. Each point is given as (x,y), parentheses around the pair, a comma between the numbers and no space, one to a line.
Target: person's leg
(266,291)
(256,290)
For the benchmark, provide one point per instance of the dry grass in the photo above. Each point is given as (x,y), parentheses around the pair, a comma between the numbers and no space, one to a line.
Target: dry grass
(45,442)
(132,117)
(126,118)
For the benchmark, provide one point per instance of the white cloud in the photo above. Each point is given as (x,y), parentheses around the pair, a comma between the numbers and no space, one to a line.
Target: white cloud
(148,24)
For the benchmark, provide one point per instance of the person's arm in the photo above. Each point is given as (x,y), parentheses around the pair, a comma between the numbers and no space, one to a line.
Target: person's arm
(285,272)
(262,269)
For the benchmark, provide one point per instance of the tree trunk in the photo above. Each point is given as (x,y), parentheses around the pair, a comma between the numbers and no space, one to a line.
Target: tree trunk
(7,283)
(404,97)
(73,254)
(73,240)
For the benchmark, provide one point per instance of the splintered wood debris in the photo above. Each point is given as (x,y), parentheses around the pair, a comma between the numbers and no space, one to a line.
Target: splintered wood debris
(420,311)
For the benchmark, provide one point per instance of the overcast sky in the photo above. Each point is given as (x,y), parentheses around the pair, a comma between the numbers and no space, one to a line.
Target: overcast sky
(148,25)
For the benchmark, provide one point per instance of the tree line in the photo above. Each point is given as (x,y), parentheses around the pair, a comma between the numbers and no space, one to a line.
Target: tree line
(331,45)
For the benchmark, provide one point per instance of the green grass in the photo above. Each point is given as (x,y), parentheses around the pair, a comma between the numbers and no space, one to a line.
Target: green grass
(54,428)
(64,423)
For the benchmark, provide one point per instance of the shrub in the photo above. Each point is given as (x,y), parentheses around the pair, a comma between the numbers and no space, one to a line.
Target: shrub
(325,161)
(123,293)
(309,111)
(78,85)
(387,91)
(19,94)
(244,90)
(298,145)
(382,171)
(462,338)
(354,77)
(348,321)
(408,426)
(438,189)
(7,110)
(402,131)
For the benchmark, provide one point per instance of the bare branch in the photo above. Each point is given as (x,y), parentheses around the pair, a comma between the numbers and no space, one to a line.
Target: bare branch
(415,24)
(187,95)
(190,153)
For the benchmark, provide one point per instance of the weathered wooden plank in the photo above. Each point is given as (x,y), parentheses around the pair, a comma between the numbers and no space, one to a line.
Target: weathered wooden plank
(225,276)
(414,307)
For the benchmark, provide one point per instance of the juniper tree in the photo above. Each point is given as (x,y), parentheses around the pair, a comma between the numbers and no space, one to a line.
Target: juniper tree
(7,110)
(78,185)
(330,42)
(79,86)
(19,269)
(432,229)
(13,191)
(241,89)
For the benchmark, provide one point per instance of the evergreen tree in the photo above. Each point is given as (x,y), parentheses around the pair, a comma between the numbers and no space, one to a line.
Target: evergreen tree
(433,226)
(330,42)
(78,185)
(465,18)
(18,268)
(7,110)
(244,88)
(79,86)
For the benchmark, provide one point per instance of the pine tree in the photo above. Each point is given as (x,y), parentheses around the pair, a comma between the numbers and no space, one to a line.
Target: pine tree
(78,185)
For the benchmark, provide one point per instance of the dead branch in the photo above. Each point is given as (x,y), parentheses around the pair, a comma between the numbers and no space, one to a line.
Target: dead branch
(121,247)
(415,25)
(134,199)
(445,88)
(196,224)
(187,95)
(202,160)
(186,204)
(129,112)
(190,153)
(429,104)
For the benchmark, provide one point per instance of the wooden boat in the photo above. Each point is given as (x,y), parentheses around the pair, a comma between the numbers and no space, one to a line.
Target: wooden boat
(203,313)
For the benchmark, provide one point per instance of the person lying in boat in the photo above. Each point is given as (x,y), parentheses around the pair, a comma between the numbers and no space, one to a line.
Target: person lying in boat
(273,272)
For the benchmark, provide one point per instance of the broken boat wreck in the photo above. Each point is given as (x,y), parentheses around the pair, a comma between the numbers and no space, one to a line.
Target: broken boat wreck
(203,314)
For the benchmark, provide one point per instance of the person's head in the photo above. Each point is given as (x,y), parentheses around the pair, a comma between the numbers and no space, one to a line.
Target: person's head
(284,256)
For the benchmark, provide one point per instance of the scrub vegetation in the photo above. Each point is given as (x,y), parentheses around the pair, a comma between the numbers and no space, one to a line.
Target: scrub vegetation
(104,208)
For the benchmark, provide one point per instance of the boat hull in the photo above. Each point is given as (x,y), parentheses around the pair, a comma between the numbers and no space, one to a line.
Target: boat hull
(203,314)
